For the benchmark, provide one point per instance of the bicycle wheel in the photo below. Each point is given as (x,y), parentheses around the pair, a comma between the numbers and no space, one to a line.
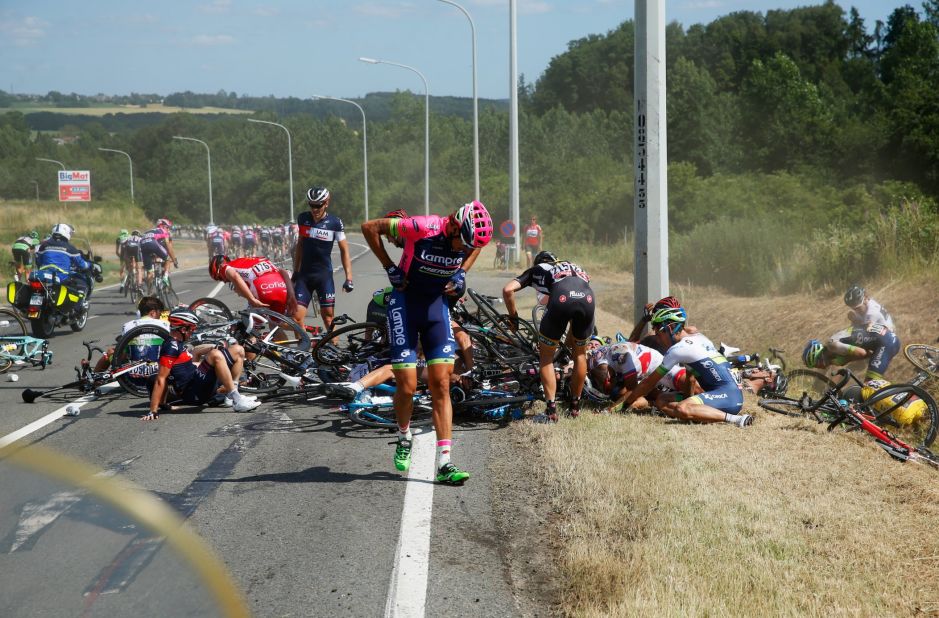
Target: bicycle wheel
(12,323)
(782,405)
(172,299)
(383,416)
(277,328)
(923,357)
(352,344)
(908,411)
(807,381)
(211,311)
(136,358)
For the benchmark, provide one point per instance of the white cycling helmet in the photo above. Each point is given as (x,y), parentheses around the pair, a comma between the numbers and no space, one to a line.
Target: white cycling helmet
(62,229)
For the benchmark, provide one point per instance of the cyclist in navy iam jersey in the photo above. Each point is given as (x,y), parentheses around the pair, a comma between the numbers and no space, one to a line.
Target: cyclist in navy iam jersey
(312,261)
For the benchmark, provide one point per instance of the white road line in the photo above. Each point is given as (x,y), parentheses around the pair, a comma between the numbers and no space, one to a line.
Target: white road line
(407,593)
(216,289)
(36,425)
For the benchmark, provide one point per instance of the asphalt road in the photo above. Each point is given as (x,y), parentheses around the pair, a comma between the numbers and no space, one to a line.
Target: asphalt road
(303,507)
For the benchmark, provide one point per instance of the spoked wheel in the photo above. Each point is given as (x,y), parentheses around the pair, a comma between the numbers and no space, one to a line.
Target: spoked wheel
(782,405)
(172,299)
(211,311)
(351,345)
(136,293)
(809,382)
(907,411)
(272,327)
(924,357)
(138,350)
(383,416)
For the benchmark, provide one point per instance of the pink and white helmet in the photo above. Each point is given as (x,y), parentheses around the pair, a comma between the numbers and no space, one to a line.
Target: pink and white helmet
(475,224)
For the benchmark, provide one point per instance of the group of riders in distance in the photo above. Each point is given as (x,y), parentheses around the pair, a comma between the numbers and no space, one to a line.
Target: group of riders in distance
(674,368)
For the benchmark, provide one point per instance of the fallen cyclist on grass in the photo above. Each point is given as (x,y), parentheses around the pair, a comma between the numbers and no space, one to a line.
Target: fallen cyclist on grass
(199,376)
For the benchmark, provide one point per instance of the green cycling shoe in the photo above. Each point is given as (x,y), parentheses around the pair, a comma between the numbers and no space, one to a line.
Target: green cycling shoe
(448,474)
(403,455)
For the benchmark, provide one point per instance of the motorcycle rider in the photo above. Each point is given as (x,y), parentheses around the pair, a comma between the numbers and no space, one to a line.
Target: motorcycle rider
(65,260)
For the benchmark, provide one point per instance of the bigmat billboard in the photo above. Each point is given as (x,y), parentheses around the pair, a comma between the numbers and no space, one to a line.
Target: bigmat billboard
(74,186)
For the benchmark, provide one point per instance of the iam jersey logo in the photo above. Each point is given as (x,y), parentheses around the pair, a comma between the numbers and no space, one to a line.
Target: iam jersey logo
(320,234)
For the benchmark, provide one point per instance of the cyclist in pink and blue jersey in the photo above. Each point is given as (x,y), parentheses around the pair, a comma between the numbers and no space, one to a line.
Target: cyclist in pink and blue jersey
(437,253)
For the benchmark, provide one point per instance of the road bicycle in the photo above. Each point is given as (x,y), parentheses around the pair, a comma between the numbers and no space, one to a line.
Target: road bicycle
(18,348)
(162,287)
(129,285)
(926,360)
(87,379)
(889,406)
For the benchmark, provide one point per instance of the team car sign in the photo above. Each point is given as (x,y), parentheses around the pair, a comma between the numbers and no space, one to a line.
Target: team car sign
(74,186)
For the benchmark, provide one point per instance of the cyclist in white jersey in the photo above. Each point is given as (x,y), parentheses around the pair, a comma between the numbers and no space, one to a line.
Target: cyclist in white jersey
(616,369)
(721,399)
(865,311)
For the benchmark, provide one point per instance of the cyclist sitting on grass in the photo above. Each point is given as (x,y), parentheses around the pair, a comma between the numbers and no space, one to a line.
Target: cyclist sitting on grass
(192,383)
(721,399)
(616,369)
(875,342)
(650,340)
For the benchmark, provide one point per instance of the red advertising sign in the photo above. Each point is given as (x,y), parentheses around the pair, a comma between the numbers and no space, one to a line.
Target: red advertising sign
(74,186)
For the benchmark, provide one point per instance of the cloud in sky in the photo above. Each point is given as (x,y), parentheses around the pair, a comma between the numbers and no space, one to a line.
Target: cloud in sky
(212,40)
(23,31)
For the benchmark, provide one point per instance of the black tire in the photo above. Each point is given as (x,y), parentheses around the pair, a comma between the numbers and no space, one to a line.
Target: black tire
(352,345)
(923,357)
(11,323)
(384,417)
(807,381)
(782,405)
(79,324)
(211,310)
(135,294)
(44,325)
(171,299)
(139,345)
(888,404)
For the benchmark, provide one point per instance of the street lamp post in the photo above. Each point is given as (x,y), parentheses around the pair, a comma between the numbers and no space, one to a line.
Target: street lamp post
(37,188)
(426,125)
(289,157)
(59,163)
(364,143)
(209,158)
(130,161)
(475,99)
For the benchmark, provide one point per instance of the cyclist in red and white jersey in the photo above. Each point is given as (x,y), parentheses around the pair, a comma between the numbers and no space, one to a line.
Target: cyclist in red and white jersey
(616,369)
(258,280)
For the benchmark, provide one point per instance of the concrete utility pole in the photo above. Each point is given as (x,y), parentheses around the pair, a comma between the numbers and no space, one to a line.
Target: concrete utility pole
(651,187)
(513,127)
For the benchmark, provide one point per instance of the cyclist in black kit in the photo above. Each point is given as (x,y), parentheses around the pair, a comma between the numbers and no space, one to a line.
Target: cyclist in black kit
(571,302)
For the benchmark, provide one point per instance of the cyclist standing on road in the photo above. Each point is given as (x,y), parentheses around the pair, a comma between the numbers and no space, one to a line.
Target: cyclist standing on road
(570,301)
(23,249)
(437,253)
(721,400)
(312,259)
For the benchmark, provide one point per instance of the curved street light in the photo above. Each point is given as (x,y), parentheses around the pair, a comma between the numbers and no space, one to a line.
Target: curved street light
(426,125)
(364,142)
(289,156)
(209,157)
(59,163)
(475,99)
(130,161)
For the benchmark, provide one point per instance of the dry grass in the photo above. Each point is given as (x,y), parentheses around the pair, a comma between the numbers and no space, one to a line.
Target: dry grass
(656,517)
(662,518)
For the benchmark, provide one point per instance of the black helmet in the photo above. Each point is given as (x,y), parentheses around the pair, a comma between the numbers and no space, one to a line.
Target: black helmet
(545,257)
(854,296)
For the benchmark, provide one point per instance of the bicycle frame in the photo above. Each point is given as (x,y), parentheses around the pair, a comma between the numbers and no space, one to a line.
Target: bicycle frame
(23,348)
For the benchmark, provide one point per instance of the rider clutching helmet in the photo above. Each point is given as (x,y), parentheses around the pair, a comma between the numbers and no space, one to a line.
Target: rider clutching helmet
(571,302)
(871,336)
(721,400)
(197,376)
(437,253)
(312,259)
(258,280)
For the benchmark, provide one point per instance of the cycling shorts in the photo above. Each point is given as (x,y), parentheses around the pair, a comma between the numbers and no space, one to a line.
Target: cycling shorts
(571,303)
(22,256)
(204,383)
(321,283)
(249,243)
(883,354)
(131,252)
(153,251)
(413,317)
(728,398)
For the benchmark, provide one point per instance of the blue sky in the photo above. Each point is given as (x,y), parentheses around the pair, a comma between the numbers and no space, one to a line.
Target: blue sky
(305,47)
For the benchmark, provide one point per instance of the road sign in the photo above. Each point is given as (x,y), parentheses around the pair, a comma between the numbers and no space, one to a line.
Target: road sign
(507,228)
(74,186)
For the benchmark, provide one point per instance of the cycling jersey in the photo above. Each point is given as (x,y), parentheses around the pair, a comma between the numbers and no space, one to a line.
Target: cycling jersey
(428,259)
(876,315)
(317,239)
(627,360)
(878,339)
(710,368)
(377,310)
(264,279)
(130,248)
(570,300)
(154,246)
(533,235)
(194,385)
(22,247)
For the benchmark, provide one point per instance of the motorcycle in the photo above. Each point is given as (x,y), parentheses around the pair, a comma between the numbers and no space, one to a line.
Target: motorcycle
(48,303)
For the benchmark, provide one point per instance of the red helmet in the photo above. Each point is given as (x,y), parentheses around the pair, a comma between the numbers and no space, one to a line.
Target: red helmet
(182,317)
(164,223)
(669,302)
(400,213)
(217,267)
